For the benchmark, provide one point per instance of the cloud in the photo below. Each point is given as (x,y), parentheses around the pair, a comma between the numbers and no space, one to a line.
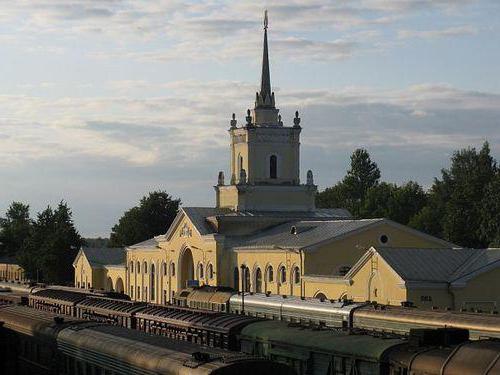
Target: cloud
(432,34)
(219,31)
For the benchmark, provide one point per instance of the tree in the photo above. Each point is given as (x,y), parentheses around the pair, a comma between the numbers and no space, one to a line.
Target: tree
(14,229)
(398,203)
(454,211)
(351,191)
(489,229)
(151,217)
(51,248)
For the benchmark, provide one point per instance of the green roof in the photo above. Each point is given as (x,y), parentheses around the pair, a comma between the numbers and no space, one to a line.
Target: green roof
(326,341)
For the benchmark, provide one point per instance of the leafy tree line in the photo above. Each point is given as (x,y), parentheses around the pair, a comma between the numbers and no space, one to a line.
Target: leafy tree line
(151,217)
(463,206)
(46,246)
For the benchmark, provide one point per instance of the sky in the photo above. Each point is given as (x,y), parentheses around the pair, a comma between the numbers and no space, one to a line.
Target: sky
(104,101)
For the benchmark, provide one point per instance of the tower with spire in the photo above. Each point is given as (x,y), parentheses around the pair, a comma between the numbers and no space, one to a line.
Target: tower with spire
(265,155)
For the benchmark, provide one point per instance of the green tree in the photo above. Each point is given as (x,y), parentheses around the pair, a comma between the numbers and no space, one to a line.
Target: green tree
(151,217)
(14,229)
(351,191)
(398,203)
(489,229)
(455,208)
(51,248)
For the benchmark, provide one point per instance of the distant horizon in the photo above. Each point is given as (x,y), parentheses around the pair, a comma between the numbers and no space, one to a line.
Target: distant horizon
(103,102)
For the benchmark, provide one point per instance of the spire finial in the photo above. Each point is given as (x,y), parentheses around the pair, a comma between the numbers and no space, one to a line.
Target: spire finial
(264,97)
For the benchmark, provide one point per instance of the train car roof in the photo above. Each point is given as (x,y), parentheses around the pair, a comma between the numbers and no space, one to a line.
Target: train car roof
(62,295)
(294,302)
(111,306)
(328,341)
(33,322)
(474,322)
(222,322)
(135,349)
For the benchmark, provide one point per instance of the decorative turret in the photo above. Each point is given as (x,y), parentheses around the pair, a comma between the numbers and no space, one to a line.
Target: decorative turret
(296,120)
(220,179)
(233,122)
(310,179)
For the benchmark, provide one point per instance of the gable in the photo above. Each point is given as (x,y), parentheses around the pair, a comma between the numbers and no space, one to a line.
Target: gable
(82,260)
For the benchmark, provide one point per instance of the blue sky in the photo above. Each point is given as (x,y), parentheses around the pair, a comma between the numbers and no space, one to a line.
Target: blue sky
(103,101)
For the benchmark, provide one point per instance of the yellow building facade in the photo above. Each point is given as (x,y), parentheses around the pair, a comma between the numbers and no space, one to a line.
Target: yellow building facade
(265,234)
(10,270)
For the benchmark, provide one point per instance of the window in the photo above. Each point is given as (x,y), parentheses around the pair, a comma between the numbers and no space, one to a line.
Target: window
(296,275)
(131,291)
(131,267)
(164,296)
(270,274)
(383,239)
(200,271)
(138,292)
(145,267)
(172,269)
(164,266)
(210,271)
(425,298)
(152,281)
(236,278)
(273,167)
(246,279)
(240,163)
(258,281)
(283,274)
(138,267)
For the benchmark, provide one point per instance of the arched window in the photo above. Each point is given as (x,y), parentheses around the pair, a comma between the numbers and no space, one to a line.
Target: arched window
(240,163)
(296,275)
(200,271)
(172,269)
(246,279)
(283,274)
(270,274)
(164,268)
(210,271)
(131,267)
(152,282)
(236,278)
(273,166)
(145,267)
(138,267)
(320,296)
(258,281)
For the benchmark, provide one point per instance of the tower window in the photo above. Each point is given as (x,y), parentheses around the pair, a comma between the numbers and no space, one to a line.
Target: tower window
(273,166)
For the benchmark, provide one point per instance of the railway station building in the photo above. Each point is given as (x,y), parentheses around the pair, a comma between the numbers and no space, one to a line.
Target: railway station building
(264,233)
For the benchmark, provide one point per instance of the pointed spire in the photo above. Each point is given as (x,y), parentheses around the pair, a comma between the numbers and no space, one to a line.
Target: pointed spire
(265,98)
